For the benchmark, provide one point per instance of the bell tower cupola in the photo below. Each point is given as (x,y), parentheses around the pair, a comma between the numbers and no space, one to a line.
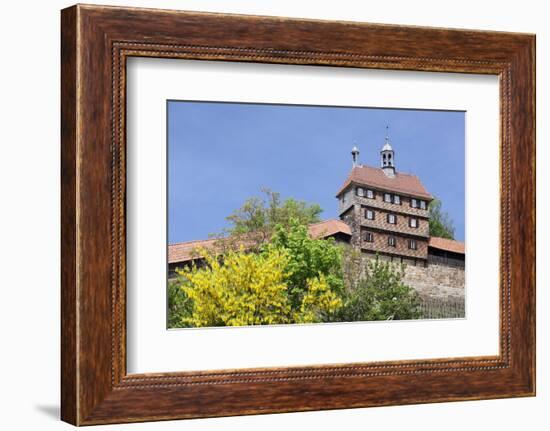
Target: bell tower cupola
(387,157)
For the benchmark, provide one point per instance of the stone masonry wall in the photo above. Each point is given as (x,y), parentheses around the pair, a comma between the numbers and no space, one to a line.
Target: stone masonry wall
(436,281)
(433,280)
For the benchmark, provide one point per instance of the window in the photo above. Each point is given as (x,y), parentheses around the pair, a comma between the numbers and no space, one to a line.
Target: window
(412,244)
(413,222)
(397,199)
(414,203)
(392,218)
(391,241)
(370,194)
(423,205)
(369,214)
(360,191)
(369,237)
(387,197)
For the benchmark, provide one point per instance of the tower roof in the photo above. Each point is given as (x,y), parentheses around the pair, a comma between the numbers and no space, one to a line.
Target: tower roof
(387,147)
(376,178)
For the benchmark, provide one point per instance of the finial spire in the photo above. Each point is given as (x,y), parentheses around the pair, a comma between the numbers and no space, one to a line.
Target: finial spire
(387,133)
(355,154)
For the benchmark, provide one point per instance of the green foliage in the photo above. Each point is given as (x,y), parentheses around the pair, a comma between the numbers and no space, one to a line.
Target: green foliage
(308,259)
(441,224)
(380,295)
(251,289)
(260,216)
(285,276)
(180,306)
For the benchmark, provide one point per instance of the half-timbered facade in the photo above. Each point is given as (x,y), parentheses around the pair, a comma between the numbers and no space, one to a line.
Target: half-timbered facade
(386,210)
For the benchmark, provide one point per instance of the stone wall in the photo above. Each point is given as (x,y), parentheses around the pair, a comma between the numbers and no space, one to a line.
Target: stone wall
(436,281)
(351,219)
(432,280)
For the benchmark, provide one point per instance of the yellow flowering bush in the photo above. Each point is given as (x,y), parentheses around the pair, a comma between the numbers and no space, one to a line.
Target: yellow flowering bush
(244,289)
(317,302)
(250,289)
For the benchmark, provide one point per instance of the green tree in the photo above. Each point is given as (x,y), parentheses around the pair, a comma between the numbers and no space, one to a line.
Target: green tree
(259,216)
(180,306)
(308,259)
(380,295)
(441,224)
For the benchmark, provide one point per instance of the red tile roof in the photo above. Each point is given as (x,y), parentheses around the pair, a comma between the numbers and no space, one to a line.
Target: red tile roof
(185,251)
(375,177)
(328,228)
(447,245)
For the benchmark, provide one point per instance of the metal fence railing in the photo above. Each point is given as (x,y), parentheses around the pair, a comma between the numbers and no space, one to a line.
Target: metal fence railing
(442,308)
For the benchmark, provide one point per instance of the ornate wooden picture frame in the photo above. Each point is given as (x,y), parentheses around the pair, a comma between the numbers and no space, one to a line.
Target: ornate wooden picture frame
(96,41)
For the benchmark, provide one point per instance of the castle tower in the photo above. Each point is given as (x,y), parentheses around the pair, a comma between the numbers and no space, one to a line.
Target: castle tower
(387,158)
(386,210)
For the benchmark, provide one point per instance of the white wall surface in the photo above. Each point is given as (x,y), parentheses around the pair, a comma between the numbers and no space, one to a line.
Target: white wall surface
(29,215)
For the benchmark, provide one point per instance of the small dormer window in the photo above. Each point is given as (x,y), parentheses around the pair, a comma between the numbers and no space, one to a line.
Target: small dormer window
(387,197)
(414,203)
(370,194)
(397,199)
(360,191)
(423,205)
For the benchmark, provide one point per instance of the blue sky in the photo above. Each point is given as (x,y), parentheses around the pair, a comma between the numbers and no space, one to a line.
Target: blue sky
(220,154)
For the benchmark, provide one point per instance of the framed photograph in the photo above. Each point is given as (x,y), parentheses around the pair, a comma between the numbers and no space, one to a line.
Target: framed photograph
(266,215)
